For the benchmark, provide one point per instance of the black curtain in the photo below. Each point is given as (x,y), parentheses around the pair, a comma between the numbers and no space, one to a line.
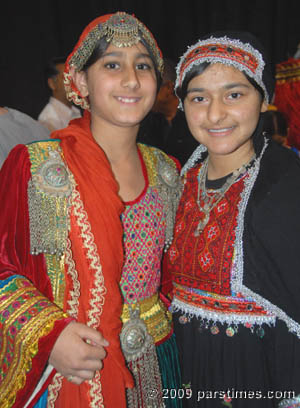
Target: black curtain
(31,32)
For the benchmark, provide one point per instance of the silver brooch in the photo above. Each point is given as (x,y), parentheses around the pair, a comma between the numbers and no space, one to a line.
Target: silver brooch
(134,337)
(52,176)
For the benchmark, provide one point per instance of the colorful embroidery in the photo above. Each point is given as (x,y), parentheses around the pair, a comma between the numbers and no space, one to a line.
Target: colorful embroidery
(24,314)
(226,51)
(210,307)
(204,261)
(144,235)
(146,223)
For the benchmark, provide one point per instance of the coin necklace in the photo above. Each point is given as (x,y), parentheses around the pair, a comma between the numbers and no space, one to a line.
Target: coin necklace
(210,201)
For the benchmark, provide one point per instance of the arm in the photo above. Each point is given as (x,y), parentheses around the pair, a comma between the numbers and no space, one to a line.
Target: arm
(30,322)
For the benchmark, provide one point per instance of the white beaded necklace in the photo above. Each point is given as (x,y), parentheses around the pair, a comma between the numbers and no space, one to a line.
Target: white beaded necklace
(215,196)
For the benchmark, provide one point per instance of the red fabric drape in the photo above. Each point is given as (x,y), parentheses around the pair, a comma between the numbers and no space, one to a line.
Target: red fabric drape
(99,193)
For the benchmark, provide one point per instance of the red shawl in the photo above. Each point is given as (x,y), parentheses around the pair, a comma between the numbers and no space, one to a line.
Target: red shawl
(99,193)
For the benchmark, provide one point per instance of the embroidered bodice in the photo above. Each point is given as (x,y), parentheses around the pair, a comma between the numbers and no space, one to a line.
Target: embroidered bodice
(203,265)
(204,262)
(144,223)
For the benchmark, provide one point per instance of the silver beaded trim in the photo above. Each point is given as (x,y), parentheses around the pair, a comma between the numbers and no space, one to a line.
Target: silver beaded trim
(196,155)
(170,188)
(257,76)
(238,263)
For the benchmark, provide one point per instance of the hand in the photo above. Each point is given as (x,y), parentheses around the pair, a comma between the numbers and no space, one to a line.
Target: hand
(78,352)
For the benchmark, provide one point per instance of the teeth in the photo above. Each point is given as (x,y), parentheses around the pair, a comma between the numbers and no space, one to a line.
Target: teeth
(220,130)
(127,100)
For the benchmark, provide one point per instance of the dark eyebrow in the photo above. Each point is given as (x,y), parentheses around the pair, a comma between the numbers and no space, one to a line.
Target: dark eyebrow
(237,85)
(119,54)
(227,87)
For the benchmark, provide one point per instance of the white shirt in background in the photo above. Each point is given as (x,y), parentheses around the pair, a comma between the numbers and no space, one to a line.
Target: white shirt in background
(56,115)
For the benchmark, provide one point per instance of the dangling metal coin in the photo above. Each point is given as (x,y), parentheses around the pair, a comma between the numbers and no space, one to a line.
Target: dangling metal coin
(214,329)
(230,331)
(183,319)
(260,332)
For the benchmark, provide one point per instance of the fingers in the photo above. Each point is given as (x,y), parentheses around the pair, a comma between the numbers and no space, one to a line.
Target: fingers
(74,379)
(93,337)
(94,353)
(80,376)
(79,352)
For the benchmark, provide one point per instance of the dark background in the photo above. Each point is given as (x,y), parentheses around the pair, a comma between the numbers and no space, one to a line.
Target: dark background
(33,31)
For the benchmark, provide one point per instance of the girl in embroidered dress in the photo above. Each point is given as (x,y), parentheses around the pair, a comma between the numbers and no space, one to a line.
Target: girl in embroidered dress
(235,256)
(75,205)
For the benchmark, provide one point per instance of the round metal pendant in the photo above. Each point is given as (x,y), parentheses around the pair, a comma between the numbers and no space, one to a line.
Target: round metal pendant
(52,176)
(167,174)
(55,174)
(134,339)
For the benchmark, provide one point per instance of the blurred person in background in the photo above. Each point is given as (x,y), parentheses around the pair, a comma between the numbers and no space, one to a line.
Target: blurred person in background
(17,127)
(59,110)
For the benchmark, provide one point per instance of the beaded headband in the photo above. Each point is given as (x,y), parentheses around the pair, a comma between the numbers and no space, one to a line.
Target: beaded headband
(119,29)
(225,51)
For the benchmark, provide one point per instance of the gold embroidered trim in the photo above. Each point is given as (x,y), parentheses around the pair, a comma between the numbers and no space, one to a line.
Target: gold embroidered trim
(53,390)
(27,340)
(73,302)
(49,193)
(96,391)
(150,158)
(55,271)
(99,291)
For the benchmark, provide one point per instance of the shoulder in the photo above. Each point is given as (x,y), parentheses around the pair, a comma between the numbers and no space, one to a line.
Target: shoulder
(276,190)
(160,167)
(279,163)
(41,150)
(154,153)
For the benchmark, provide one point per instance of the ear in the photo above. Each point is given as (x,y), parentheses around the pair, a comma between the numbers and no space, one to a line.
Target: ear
(80,80)
(264,106)
(51,84)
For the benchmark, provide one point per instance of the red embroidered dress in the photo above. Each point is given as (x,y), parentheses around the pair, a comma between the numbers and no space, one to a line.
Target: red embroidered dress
(202,264)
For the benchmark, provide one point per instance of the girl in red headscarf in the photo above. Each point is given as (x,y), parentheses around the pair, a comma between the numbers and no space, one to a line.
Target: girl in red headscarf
(85,219)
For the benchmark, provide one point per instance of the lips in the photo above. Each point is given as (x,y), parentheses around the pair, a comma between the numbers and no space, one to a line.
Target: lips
(126,99)
(221,131)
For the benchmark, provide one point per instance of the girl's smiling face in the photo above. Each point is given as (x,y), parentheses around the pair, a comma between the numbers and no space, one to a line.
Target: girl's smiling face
(121,85)
(222,110)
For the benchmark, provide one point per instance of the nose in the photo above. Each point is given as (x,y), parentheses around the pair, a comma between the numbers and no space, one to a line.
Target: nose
(130,78)
(216,111)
